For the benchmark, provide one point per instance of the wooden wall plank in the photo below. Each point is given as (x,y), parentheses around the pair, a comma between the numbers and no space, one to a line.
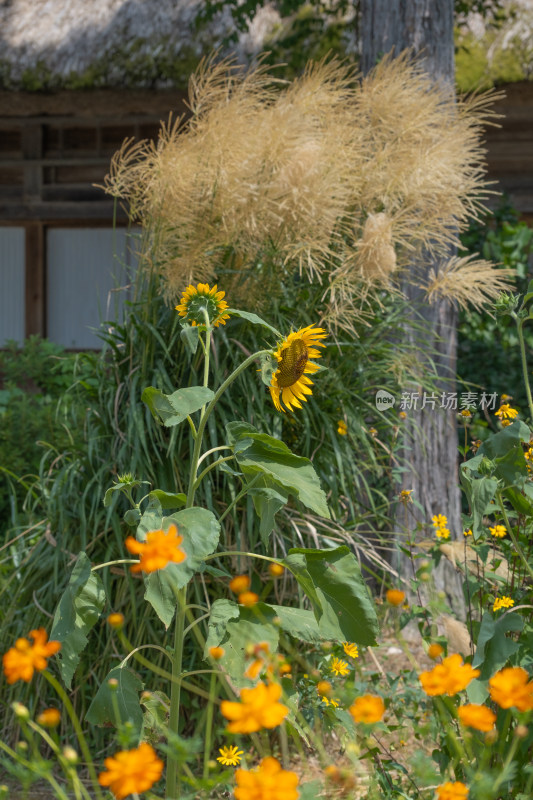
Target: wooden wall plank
(35,292)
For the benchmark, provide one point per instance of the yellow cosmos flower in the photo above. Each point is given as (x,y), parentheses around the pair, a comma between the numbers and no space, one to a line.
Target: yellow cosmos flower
(350,649)
(368,708)
(25,658)
(449,677)
(197,298)
(240,583)
(435,650)
(452,791)
(476,716)
(157,551)
(230,756)
(130,771)
(49,718)
(342,428)
(339,667)
(506,412)
(395,597)
(290,384)
(258,708)
(503,602)
(268,782)
(511,688)
(276,570)
(498,531)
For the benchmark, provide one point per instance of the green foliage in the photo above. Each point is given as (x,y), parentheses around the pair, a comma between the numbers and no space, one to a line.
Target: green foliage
(487,347)
(35,413)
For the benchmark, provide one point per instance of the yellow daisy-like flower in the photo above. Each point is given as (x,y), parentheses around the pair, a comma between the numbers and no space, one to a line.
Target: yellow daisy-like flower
(197,298)
(506,412)
(468,532)
(330,702)
(503,602)
(351,649)
(290,384)
(339,667)
(499,531)
(230,756)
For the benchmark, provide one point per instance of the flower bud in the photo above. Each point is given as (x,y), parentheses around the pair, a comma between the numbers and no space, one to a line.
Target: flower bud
(70,754)
(20,711)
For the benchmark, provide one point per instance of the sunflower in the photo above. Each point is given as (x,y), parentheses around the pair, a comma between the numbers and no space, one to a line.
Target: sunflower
(197,298)
(293,355)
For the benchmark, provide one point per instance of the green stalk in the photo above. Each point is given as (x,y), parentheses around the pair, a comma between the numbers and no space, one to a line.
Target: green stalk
(209,723)
(519,325)
(77,727)
(173,787)
(512,536)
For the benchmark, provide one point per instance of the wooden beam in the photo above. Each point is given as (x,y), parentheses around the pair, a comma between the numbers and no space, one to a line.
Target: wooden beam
(35,291)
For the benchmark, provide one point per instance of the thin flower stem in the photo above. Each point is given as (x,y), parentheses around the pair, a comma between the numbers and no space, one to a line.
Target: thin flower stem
(237,497)
(71,773)
(209,468)
(77,727)
(195,622)
(243,553)
(173,789)
(502,772)
(113,563)
(209,723)
(520,325)
(511,534)
(213,450)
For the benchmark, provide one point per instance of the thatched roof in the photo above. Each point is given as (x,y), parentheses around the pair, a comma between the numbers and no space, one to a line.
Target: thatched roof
(108,42)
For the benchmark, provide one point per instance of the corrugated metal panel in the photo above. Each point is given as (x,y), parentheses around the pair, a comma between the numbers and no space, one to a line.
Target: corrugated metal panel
(12,284)
(86,276)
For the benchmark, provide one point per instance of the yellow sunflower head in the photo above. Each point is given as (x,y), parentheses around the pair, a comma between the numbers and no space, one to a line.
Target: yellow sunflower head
(197,298)
(290,384)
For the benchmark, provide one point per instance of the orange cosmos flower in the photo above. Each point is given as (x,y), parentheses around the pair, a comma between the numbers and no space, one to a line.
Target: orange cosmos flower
(157,551)
(116,620)
(22,660)
(49,718)
(511,688)
(475,716)
(450,677)
(276,570)
(368,708)
(130,771)
(395,597)
(258,708)
(248,599)
(268,782)
(216,653)
(452,791)
(435,650)
(239,584)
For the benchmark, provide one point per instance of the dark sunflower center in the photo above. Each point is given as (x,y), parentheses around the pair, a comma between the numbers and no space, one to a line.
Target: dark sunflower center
(292,364)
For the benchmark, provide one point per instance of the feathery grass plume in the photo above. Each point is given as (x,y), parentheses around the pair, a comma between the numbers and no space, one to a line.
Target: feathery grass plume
(468,281)
(339,180)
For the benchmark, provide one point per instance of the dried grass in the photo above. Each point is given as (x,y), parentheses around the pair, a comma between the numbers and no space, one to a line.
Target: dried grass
(345,181)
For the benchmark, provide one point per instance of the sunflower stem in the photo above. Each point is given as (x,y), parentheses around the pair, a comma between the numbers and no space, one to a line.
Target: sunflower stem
(209,723)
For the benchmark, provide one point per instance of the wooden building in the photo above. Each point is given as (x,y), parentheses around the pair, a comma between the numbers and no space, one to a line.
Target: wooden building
(61,259)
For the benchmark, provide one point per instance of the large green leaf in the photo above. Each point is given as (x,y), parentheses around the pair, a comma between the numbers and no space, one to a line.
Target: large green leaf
(341,603)
(254,319)
(101,711)
(77,612)
(235,628)
(263,455)
(299,623)
(480,491)
(201,531)
(493,647)
(171,409)
(268,498)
